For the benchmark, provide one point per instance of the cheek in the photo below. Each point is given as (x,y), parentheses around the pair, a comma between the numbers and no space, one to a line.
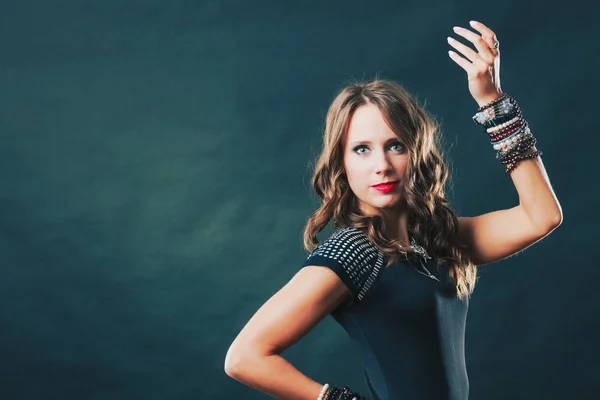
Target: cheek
(358,178)
(402,166)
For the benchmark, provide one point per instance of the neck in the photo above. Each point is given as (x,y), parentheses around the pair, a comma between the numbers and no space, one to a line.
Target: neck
(396,222)
(397,227)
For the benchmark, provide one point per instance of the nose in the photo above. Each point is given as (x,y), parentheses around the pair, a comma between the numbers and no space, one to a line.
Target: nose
(381,162)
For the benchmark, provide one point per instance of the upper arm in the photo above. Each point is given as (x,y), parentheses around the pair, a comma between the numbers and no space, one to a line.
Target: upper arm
(338,272)
(498,234)
(290,313)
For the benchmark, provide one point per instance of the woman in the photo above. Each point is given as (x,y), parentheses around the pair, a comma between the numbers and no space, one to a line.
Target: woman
(398,270)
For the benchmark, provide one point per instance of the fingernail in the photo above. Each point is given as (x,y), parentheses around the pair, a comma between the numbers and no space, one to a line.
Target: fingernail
(473,22)
(456,28)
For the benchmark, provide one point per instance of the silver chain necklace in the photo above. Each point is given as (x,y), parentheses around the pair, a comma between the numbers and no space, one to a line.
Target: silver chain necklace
(423,257)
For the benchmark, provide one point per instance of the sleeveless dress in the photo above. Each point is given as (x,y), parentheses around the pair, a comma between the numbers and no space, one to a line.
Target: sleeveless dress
(407,328)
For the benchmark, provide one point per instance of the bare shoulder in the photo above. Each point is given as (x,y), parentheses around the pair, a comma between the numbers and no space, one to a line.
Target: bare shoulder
(291,312)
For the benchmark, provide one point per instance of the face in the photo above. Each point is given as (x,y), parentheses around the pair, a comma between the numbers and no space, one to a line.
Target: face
(373,154)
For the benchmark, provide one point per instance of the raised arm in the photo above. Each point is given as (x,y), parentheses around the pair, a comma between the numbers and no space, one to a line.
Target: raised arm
(500,234)
(253,357)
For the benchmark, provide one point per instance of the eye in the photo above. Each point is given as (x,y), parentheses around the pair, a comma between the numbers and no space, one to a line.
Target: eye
(362,146)
(400,145)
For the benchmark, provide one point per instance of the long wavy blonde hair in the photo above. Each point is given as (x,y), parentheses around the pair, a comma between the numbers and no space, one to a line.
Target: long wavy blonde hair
(430,221)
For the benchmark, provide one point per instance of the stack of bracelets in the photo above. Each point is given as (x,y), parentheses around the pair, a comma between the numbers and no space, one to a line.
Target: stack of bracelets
(509,133)
(335,393)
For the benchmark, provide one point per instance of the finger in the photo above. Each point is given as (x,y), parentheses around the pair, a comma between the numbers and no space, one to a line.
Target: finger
(486,33)
(467,51)
(480,43)
(464,63)
(484,30)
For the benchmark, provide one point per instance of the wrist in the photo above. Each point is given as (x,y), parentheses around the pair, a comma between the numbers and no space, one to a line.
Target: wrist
(488,99)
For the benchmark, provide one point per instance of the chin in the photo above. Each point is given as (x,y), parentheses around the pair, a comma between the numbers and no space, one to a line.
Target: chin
(391,201)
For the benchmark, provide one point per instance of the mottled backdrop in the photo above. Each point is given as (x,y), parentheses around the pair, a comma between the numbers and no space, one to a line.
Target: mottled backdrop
(155,181)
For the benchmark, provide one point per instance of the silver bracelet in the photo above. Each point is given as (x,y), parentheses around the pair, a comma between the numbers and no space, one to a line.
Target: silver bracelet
(504,107)
(325,387)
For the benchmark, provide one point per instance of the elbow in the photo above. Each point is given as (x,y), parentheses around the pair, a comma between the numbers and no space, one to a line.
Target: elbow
(556,224)
(556,221)
(232,363)
(552,223)
(557,217)
(237,359)
(241,359)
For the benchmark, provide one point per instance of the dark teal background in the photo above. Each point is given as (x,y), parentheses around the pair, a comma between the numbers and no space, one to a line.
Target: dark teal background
(154,185)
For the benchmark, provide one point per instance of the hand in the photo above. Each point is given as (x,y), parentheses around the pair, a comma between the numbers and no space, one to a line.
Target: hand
(483,70)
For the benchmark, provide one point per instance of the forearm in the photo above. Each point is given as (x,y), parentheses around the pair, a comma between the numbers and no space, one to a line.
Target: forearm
(536,195)
(276,377)
(510,135)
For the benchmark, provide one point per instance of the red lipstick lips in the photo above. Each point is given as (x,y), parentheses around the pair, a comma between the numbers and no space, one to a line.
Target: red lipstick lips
(385,187)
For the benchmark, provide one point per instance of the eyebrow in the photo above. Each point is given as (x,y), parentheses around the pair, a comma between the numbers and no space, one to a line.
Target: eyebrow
(369,142)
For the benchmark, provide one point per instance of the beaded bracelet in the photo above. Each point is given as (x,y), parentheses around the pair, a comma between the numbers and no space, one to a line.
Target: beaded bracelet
(325,387)
(493,102)
(499,137)
(514,162)
(495,123)
(333,393)
(508,143)
(522,152)
(504,124)
(344,393)
(522,146)
(516,120)
(505,132)
(505,106)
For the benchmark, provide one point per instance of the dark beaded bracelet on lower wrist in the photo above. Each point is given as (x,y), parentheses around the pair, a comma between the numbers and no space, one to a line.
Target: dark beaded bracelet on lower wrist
(529,156)
(344,393)
(493,102)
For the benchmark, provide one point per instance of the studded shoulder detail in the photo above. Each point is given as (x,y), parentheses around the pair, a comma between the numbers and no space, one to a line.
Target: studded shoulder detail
(361,261)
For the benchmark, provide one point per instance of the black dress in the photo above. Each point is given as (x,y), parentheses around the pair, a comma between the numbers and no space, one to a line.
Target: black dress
(407,328)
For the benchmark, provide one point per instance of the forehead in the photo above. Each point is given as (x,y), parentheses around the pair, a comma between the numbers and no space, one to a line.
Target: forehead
(367,123)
